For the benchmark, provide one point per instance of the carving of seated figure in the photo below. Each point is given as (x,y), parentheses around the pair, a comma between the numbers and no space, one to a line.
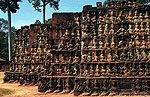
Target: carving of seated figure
(113,42)
(106,31)
(114,70)
(75,69)
(108,70)
(59,71)
(147,27)
(100,44)
(32,69)
(120,45)
(136,27)
(17,69)
(109,57)
(94,57)
(133,70)
(147,70)
(76,59)
(125,71)
(102,58)
(143,44)
(148,56)
(144,55)
(90,44)
(103,71)
(148,42)
(140,70)
(122,56)
(91,71)
(100,30)
(106,43)
(97,70)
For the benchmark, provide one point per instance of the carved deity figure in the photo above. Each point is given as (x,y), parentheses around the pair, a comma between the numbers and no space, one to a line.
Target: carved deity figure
(140,17)
(100,30)
(147,27)
(91,71)
(147,70)
(86,71)
(100,43)
(109,57)
(137,42)
(142,28)
(148,56)
(106,42)
(143,43)
(102,58)
(148,42)
(108,70)
(90,44)
(136,15)
(89,57)
(103,71)
(94,43)
(136,27)
(130,28)
(106,30)
(133,70)
(140,70)
(94,57)
(144,55)
(113,42)
(97,70)
(123,55)
(138,57)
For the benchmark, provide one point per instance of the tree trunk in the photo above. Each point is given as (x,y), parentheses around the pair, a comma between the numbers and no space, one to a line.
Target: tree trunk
(9,32)
(44,12)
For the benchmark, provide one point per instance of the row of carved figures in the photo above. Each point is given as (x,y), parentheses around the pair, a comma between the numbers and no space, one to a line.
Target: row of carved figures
(68,44)
(117,15)
(116,55)
(115,70)
(65,58)
(117,42)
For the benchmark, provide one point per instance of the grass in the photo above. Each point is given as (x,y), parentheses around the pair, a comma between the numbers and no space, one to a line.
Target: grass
(4,92)
(2,59)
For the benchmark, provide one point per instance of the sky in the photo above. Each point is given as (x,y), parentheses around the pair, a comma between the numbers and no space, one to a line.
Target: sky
(27,15)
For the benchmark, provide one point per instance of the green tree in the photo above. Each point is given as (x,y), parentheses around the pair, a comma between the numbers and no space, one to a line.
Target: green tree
(43,3)
(4,37)
(37,22)
(106,3)
(9,6)
(49,21)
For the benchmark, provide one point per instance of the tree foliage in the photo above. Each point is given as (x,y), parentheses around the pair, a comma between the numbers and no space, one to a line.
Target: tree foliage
(105,3)
(49,21)
(13,5)
(37,4)
(40,3)
(4,38)
(37,22)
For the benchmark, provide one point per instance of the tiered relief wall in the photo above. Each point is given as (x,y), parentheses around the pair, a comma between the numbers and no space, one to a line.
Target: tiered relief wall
(115,41)
(66,50)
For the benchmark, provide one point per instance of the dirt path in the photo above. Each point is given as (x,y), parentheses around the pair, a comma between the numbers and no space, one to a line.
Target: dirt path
(26,91)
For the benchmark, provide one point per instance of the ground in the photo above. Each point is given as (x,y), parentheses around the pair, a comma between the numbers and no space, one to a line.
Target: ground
(14,90)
